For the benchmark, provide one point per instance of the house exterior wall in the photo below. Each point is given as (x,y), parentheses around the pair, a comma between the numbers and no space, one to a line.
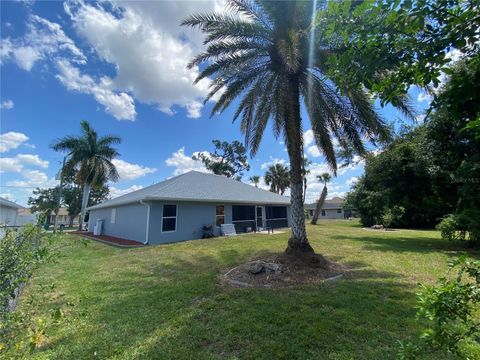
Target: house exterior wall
(8,215)
(191,216)
(130,221)
(332,214)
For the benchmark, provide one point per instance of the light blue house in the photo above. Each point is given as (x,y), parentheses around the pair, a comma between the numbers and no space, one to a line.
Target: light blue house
(178,208)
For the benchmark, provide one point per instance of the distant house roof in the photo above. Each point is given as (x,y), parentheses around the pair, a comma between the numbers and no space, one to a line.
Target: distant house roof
(199,187)
(8,203)
(333,203)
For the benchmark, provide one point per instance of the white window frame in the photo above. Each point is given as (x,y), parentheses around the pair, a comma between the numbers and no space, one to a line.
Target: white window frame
(216,216)
(170,217)
(113,216)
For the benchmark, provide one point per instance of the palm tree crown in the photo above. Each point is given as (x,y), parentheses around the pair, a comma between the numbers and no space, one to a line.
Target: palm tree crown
(91,157)
(325,177)
(278,178)
(255,180)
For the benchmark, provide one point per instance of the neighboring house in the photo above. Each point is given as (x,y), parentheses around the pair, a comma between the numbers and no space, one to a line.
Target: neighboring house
(63,217)
(9,212)
(25,217)
(176,209)
(331,209)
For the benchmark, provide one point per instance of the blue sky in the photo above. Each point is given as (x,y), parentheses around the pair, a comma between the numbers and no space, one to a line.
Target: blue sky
(121,66)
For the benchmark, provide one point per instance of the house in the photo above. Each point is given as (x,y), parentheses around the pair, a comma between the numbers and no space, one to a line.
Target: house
(177,209)
(331,209)
(25,216)
(63,217)
(9,212)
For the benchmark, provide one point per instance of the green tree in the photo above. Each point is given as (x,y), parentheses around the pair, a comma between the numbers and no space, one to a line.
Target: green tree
(228,159)
(44,201)
(92,155)
(278,178)
(255,180)
(272,56)
(325,178)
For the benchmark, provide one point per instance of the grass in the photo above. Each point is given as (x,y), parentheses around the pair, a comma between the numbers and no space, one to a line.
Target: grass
(164,302)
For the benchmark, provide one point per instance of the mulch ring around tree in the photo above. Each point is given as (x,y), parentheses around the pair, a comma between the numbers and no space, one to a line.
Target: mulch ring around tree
(282,270)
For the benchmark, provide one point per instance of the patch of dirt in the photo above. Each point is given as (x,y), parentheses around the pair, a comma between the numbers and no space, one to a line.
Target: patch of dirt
(382,229)
(283,270)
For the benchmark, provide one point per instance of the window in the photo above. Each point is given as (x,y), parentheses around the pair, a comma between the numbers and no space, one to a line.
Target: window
(220,215)
(113,216)
(243,213)
(169,219)
(339,211)
(323,212)
(276,212)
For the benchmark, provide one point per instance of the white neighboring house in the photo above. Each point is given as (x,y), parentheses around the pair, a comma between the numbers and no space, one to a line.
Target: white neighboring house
(9,212)
(63,217)
(331,209)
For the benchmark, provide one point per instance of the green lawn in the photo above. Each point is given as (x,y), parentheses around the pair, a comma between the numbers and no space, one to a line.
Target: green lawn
(164,302)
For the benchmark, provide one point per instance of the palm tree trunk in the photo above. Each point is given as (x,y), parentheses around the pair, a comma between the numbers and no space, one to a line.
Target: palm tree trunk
(86,193)
(320,202)
(298,242)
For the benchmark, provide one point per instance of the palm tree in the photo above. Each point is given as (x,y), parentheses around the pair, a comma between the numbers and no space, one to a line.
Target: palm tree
(271,55)
(325,177)
(92,157)
(278,178)
(305,172)
(255,180)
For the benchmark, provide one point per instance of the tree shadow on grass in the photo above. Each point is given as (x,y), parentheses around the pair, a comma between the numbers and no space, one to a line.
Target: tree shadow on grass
(419,244)
(175,309)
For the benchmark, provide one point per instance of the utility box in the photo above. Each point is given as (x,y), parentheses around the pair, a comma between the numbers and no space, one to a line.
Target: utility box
(98,228)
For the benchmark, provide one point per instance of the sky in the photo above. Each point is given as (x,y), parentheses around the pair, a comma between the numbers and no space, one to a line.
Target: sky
(122,67)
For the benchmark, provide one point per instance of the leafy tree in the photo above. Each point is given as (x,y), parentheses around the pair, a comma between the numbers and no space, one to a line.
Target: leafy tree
(325,178)
(454,144)
(72,197)
(44,201)
(227,159)
(278,178)
(92,156)
(388,46)
(255,180)
(272,56)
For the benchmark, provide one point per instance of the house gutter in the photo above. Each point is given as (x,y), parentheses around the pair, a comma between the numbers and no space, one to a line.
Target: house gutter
(148,221)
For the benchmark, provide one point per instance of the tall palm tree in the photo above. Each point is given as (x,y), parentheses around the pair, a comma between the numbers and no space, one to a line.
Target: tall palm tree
(92,157)
(278,178)
(325,178)
(271,55)
(255,180)
(305,172)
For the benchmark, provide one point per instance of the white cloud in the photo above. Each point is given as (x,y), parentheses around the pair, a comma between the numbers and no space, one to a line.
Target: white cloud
(16,164)
(148,47)
(33,179)
(115,192)
(8,196)
(7,105)
(423,96)
(119,105)
(313,151)
(274,161)
(11,140)
(308,138)
(42,40)
(128,171)
(352,181)
(184,163)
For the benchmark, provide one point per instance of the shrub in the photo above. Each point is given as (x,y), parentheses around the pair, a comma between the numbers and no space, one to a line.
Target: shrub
(451,310)
(464,226)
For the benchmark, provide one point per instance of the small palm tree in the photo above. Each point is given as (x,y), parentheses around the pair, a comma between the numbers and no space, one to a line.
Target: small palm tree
(272,56)
(92,157)
(255,180)
(325,177)
(278,178)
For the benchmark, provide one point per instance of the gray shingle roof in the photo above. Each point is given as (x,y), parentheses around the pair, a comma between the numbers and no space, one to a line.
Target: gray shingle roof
(8,203)
(201,187)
